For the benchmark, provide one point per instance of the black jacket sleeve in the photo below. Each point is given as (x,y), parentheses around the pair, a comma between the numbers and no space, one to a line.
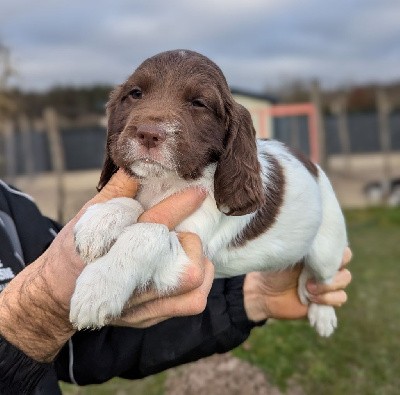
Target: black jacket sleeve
(136,353)
(19,374)
(97,356)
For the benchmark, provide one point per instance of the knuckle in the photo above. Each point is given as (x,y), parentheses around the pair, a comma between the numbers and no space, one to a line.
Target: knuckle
(209,268)
(152,217)
(193,276)
(339,298)
(199,305)
(348,276)
(190,238)
(348,255)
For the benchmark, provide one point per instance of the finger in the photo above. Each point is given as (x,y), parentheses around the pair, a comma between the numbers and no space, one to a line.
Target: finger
(120,184)
(335,299)
(148,323)
(190,303)
(193,276)
(347,256)
(174,209)
(341,281)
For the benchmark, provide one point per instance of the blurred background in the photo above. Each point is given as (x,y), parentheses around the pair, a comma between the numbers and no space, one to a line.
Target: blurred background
(324,77)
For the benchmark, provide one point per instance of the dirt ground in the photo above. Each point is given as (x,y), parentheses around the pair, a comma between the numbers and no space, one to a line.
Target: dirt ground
(222,375)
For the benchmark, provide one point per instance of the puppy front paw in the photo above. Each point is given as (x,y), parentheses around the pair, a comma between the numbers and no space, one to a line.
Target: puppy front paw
(101,224)
(144,254)
(322,318)
(98,297)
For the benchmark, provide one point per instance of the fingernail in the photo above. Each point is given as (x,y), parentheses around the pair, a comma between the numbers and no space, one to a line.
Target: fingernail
(312,287)
(202,192)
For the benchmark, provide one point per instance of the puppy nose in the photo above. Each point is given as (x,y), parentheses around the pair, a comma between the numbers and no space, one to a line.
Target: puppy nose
(150,135)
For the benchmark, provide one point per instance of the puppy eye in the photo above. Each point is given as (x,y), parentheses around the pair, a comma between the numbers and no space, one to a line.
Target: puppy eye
(198,103)
(135,93)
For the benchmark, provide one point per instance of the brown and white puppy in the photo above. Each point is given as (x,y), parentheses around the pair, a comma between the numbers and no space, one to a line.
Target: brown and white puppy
(174,124)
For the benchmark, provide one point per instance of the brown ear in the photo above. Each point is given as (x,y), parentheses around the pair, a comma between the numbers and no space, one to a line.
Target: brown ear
(109,168)
(114,122)
(238,185)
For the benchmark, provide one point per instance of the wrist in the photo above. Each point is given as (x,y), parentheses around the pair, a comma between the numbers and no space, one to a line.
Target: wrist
(237,298)
(31,318)
(254,302)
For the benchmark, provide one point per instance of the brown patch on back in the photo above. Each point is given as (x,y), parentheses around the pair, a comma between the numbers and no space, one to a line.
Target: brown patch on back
(267,214)
(305,161)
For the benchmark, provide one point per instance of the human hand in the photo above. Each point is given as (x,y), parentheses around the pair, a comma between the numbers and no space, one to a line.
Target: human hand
(35,305)
(274,295)
(190,298)
(169,212)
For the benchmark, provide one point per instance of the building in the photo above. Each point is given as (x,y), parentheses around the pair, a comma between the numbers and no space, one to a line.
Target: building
(258,104)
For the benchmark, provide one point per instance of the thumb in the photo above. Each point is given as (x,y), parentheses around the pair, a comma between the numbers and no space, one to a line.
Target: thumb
(120,184)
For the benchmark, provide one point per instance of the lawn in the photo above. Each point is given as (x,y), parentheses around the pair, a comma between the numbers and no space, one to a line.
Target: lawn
(362,357)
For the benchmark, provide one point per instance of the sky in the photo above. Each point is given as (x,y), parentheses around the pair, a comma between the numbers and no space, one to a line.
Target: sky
(259,44)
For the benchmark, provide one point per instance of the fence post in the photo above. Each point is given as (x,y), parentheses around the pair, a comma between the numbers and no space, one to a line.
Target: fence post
(57,158)
(27,146)
(338,107)
(317,101)
(384,108)
(10,151)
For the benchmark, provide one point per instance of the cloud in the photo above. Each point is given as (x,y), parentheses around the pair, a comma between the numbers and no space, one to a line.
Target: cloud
(256,42)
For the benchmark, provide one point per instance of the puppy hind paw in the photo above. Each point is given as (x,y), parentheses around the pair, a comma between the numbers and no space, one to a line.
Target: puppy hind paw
(322,318)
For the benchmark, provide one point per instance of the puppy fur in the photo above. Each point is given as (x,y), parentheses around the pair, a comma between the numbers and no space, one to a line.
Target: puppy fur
(174,124)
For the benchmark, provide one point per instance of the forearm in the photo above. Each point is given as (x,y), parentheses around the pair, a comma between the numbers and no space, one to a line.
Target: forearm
(31,318)
(34,326)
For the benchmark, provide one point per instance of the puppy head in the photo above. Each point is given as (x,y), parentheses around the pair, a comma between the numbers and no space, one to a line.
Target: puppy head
(176,115)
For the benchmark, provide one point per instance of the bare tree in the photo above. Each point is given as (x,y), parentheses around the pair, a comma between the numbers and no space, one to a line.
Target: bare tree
(7,108)
(5,64)
(57,158)
(6,72)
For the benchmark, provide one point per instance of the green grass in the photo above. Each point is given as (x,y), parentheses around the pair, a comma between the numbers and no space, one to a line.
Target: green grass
(150,386)
(363,356)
